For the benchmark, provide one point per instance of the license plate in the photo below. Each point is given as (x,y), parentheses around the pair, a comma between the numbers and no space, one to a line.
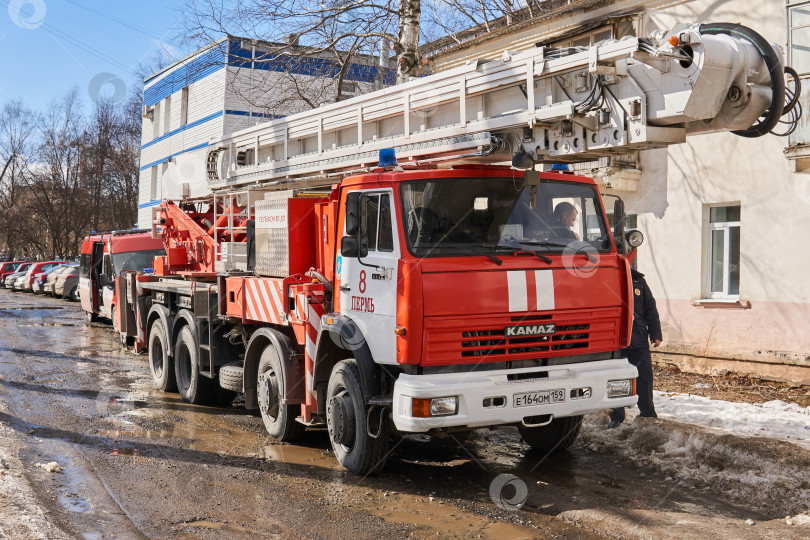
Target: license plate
(544,397)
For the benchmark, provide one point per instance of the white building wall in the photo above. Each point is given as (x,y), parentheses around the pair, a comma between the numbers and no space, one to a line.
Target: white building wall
(767,330)
(765,333)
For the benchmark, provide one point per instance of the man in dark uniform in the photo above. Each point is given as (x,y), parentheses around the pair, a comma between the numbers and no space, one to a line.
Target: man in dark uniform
(646,329)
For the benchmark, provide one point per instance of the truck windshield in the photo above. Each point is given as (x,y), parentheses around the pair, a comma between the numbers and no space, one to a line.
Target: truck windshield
(460,216)
(135,260)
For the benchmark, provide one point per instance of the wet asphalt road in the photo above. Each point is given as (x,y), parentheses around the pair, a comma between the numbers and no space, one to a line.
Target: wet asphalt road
(138,463)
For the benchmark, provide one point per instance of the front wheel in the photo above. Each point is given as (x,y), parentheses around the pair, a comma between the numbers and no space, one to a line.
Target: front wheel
(192,385)
(346,416)
(555,436)
(91,317)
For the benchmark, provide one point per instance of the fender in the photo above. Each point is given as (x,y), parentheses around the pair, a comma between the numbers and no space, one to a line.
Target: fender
(159,311)
(338,341)
(293,376)
(182,318)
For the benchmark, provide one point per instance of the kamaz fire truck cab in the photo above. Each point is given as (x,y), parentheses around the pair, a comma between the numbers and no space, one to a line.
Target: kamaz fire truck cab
(479,303)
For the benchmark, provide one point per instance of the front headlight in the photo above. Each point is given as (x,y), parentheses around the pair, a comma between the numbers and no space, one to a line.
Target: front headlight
(621,388)
(443,406)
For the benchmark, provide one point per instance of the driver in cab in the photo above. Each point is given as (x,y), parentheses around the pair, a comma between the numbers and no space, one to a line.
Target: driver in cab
(564,216)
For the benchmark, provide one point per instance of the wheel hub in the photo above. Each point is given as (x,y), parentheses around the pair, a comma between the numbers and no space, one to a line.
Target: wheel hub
(341,419)
(268,394)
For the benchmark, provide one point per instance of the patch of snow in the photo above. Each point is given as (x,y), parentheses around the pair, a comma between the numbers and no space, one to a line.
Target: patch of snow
(775,419)
(768,475)
(52,467)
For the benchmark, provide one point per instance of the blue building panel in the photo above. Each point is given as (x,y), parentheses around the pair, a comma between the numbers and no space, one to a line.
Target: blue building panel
(239,56)
(184,75)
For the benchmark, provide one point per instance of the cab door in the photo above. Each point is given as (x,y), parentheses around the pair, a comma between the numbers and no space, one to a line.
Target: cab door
(368,285)
(90,275)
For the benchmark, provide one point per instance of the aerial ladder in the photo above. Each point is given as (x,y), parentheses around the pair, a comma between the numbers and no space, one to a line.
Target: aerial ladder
(544,105)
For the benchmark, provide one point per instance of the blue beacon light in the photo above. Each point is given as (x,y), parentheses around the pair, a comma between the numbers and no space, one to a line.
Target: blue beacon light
(388,157)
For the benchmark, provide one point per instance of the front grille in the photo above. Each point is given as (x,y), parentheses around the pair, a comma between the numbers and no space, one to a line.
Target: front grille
(483,339)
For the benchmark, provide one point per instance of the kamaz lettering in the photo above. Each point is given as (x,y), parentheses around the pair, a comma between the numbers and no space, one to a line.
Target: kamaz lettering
(530,330)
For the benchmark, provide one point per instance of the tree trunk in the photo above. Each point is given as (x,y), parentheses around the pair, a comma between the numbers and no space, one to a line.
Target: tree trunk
(407,45)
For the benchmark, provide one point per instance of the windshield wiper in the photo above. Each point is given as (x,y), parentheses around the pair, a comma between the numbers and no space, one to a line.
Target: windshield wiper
(553,244)
(492,258)
(541,244)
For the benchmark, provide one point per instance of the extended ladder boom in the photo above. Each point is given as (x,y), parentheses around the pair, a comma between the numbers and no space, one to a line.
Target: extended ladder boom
(543,105)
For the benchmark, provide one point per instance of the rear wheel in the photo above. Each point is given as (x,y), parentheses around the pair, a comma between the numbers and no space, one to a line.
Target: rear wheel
(192,385)
(279,419)
(553,437)
(346,416)
(160,364)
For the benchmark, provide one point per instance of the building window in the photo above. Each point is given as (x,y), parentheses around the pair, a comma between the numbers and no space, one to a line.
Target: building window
(184,107)
(723,241)
(153,183)
(799,22)
(167,115)
(156,121)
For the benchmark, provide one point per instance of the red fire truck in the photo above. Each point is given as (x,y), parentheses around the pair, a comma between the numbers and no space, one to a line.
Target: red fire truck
(445,293)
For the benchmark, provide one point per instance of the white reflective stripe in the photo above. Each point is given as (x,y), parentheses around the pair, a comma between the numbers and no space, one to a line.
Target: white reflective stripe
(544,287)
(248,299)
(311,383)
(314,320)
(302,301)
(276,300)
(266,297)
(310,346)
(518,293)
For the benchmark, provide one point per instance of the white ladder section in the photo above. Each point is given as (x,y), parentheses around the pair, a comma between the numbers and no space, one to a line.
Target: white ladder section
(542,104)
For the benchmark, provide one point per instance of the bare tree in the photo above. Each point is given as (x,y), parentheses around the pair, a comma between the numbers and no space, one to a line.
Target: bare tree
(325,40)
(17,132)
(59,205)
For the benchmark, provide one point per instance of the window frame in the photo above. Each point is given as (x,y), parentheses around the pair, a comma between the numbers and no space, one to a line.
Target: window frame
(790,28)
(724,226)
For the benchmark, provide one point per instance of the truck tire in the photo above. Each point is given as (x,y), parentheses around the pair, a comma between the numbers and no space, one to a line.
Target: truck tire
(346,418)
(192,385)
(160,364)
(231,376)
(279,419)
(553,437)
(74,294)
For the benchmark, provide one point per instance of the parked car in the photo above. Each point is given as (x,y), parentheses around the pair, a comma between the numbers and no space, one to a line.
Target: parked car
(67,284)
(16,283)
(38,285)
(37,268)
(49,287)
(7,268)
(11,278)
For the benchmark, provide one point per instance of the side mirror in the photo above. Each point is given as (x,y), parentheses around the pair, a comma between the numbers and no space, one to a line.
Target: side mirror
(352,246)
(355,243)
(352,214)
(618,227)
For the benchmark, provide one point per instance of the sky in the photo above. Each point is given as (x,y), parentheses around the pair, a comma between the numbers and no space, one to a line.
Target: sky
(49,46)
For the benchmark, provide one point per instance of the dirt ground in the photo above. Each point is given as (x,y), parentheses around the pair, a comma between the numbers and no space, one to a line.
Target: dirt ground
(138,463)
(730,387)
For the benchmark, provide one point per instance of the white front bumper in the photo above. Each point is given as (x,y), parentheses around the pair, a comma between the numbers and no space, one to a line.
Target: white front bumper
(473,388)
